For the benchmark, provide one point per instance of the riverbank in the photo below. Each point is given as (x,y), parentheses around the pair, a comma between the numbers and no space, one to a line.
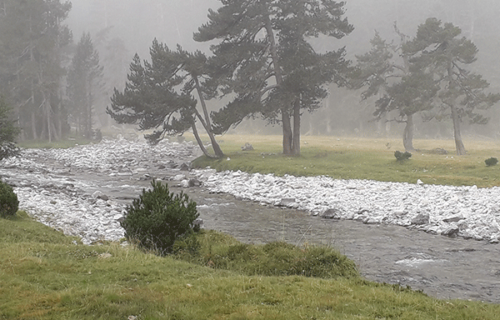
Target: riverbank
(83,191)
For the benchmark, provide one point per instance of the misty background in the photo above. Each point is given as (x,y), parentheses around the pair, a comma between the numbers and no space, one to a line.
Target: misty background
(121,28)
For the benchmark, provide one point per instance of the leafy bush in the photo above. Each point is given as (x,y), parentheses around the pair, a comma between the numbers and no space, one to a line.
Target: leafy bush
(491,162)
(400,156)
(9,204)
(158,218)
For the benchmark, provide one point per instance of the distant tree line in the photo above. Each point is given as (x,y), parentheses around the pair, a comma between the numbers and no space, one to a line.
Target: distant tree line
(269,59)
(36,66)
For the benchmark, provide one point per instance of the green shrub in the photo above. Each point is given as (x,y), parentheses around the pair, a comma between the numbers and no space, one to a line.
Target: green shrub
(491,162)
(158,218)
(9,204)
(400,156)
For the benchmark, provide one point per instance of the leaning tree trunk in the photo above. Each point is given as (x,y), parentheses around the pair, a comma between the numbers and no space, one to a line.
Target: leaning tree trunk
(408,134)
(296,128)
(456,130)
(207,124)
(200,143)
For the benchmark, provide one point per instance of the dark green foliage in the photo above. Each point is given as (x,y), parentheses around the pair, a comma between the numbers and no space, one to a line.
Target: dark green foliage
(8,132)
(8,200)
(400,156)
(265,56)
(273,259)
(159,95)
(158,218)
(491,162)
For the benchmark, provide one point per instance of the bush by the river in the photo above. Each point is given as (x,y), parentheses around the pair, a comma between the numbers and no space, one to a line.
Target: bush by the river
(9,204)
(158,218)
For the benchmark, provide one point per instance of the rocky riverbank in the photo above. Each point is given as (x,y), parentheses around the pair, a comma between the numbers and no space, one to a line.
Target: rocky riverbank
(83,191)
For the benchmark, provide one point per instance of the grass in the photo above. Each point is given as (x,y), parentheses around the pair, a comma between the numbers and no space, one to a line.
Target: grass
(44,275)
(359,158)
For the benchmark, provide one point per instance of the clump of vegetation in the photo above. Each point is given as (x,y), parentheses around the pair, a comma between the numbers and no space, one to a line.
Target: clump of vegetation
(9,204)
(400,156)
(491,161)
(221,251)
(158,218)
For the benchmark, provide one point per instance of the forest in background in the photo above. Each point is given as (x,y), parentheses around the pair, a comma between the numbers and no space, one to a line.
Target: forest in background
(120,28)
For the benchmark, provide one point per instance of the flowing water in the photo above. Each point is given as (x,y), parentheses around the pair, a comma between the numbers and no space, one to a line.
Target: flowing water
(440,266)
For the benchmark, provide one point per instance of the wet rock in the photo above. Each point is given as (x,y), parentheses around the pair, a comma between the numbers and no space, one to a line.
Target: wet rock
(456,218)
(330,214)
(179,177)
(286,202)
(451,232)
(194,183)
(421,219)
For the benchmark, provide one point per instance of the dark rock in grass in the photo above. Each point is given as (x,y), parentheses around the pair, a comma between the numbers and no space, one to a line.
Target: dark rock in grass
(421,219)
(247,147)
(184,167)
(439,151)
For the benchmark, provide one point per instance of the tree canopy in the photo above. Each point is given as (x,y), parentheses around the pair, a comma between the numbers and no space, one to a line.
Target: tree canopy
(158,95)
(265,59)
(439,50)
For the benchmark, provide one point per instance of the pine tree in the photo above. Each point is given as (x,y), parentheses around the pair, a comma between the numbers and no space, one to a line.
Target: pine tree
(438,49)
(84,80)
(387,72)
(159,95)
(265,58)
(32,42)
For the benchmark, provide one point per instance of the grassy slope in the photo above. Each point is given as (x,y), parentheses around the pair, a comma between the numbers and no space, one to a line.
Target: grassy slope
(357,158)
(43,275)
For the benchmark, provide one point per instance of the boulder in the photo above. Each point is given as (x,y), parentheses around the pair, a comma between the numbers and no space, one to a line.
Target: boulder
(247,147)
(331,214)
(450,232)
(421,219)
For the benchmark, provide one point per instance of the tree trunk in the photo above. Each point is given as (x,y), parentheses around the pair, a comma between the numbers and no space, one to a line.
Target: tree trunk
(296,128)
(285,116)
(208,125)
(408,134)
(456,130)
(33,126)
(200,143)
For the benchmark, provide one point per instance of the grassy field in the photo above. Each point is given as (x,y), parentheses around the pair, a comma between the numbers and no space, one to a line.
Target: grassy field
(359,158)
(44,275)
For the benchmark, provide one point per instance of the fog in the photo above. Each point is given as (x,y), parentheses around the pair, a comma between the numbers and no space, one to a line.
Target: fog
(121,28)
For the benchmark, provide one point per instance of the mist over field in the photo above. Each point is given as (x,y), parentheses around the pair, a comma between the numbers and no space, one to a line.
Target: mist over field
(136,23)
(118,29)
